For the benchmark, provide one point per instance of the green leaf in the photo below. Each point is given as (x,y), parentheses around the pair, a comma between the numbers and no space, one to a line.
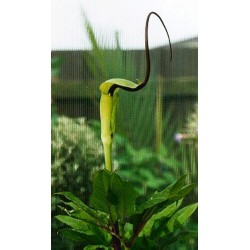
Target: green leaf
(71,204)
(82,215)
(72,235)
(113,195)
(179,184)
(186,212)
(81,230)
(186,189)
(72,198)
(126,194)
(80,237)
(75,223)
(157,203)
(156,199)
(165,213)
(173,192)
(77,204)
(102,197)
(181,216)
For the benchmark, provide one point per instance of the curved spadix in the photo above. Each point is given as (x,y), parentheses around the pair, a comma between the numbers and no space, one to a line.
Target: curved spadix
(109,86)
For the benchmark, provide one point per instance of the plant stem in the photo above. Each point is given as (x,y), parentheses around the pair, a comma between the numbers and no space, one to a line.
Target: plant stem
(116,241)
(158,117)
(106,107)
(158,121)
(107,153)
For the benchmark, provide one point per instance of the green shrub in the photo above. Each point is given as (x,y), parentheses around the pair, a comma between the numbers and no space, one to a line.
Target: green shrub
(75,153)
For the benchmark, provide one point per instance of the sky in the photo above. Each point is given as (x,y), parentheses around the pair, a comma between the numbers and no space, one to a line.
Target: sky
(127,17)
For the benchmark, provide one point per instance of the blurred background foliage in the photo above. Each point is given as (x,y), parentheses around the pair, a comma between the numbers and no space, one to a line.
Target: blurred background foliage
(75,149)
(75,152)
(157,128)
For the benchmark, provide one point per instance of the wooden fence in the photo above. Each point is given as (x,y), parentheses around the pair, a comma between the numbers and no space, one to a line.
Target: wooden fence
(75,92)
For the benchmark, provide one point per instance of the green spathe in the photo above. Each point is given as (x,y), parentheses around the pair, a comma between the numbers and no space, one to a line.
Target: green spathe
(105,86)
(108,108)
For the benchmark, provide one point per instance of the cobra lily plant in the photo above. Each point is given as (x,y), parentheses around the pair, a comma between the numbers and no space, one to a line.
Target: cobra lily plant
(114,219)
(109,98)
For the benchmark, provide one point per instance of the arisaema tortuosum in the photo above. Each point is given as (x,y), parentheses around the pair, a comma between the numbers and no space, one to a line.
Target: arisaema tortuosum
(109,98)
